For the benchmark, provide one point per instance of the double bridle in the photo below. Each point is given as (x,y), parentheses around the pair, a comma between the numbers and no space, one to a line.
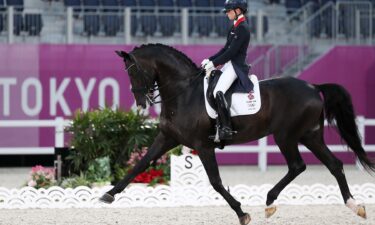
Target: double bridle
(148,91)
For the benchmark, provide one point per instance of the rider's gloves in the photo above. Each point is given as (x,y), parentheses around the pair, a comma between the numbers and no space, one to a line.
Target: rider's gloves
(208,66)
(204,62)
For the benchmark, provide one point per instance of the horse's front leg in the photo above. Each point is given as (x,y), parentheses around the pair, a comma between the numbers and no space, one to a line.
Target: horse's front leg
(161,145)
(209,162)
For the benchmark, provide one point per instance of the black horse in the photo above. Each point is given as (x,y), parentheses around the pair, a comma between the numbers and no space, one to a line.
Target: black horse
(292,110)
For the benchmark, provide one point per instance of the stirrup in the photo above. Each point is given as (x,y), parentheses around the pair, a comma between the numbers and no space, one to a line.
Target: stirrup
(221,135)
(226,134)
(216,136)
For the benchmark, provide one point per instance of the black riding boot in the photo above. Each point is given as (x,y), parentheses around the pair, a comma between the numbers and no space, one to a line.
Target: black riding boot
(225,132)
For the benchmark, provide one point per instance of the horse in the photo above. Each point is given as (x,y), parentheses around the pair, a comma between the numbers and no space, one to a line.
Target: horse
(292,110)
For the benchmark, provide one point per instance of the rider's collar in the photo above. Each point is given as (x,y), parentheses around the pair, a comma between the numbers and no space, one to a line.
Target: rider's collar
(240,19)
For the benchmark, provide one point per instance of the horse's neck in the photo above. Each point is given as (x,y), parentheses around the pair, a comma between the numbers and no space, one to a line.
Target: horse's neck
(179,88)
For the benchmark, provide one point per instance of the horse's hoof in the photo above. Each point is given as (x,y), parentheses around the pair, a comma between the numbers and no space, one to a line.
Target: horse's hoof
(362,211)
(244,220)
(270,210)
(107,198)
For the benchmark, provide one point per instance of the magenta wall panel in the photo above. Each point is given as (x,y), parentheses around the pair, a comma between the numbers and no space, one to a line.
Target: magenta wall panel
(45,81)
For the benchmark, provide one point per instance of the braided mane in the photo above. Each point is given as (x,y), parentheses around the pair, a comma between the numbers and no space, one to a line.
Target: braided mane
(178,53)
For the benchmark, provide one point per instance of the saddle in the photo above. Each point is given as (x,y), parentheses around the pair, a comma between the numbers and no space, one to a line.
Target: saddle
(240,103)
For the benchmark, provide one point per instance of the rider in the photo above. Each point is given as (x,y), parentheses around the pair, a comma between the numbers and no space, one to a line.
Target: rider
(233,57)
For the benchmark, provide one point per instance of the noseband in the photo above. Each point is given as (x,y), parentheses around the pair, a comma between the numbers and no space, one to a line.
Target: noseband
(148,91)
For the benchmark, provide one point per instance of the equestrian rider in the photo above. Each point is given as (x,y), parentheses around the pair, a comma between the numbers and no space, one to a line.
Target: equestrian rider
(233,58)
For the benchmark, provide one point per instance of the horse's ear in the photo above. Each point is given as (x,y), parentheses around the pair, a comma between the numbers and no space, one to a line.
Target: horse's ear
(123,54)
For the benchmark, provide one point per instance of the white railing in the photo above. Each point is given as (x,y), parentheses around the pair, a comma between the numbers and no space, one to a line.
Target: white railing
(58,123)
(262,148)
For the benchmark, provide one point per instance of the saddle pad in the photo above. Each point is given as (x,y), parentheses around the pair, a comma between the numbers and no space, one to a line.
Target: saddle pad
(242,103)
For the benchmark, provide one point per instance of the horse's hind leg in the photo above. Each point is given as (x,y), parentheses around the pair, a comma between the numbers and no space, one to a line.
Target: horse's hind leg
(315,143)
(208,159)
(296,166)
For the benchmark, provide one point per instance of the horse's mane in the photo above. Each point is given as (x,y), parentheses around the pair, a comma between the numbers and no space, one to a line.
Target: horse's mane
(178,53)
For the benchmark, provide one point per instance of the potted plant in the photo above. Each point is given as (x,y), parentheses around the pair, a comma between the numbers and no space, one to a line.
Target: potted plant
(114,134)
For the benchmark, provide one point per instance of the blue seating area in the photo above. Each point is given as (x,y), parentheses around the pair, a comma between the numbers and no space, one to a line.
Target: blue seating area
(186,4)
(148,20)
(221,22)
(2,10)
(293,5)
(167,20)
(33,24)
(203,20)
(111,22)
(91,20)
(30,23)
(132,4)
(150,17)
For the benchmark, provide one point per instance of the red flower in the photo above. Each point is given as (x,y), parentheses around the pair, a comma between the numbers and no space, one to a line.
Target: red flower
(147,177)
(194,152)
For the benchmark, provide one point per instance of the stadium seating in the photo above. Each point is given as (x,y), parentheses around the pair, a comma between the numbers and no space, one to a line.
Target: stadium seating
(91,5)
(166,18)
(33,24)
(17,19)
(327,22)
(253,24)
(221,21)
(91,20)
(111,21)
(18,4)
(110,5)
(2,10)
(76,4)
(292,5)
(132,4)
(186,4)
(203,19)
(316,24)
(148,21)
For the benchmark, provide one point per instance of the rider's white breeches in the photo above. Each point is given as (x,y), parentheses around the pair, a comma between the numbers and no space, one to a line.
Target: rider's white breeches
(226,79)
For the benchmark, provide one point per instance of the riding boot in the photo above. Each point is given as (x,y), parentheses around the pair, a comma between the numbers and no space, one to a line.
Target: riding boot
(225,132)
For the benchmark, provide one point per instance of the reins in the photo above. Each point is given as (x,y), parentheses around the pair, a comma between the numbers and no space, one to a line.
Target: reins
(148,91)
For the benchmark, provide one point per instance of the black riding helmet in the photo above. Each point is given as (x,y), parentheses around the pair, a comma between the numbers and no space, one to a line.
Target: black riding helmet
(234,4)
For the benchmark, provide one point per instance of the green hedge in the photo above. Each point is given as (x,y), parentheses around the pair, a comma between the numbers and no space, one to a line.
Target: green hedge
(107,133)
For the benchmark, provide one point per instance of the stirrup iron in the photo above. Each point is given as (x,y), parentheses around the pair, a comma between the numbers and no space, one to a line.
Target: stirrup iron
(217,137)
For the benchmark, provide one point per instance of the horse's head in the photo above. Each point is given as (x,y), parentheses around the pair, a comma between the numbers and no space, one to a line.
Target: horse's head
(141,78)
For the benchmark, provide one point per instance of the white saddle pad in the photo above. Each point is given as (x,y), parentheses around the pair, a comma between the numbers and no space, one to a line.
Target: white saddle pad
(242,103)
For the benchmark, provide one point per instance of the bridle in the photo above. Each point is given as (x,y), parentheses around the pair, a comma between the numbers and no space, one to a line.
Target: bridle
(148,91)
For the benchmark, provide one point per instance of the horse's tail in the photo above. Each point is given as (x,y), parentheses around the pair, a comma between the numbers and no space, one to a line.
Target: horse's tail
(338,105)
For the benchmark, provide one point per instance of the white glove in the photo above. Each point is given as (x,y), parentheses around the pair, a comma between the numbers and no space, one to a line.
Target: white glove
(209,66)
(204,62)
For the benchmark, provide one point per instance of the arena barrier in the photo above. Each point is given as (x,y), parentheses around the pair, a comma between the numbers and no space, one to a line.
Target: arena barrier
(262,147)
(189,186)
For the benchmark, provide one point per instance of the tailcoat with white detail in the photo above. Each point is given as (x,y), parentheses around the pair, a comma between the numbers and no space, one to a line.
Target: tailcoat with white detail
(235,50)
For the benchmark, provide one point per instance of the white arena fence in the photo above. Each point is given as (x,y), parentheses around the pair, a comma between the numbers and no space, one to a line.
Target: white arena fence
(262,148)
(189,186)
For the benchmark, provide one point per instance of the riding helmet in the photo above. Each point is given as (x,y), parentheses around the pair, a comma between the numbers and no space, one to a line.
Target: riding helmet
(234,4)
